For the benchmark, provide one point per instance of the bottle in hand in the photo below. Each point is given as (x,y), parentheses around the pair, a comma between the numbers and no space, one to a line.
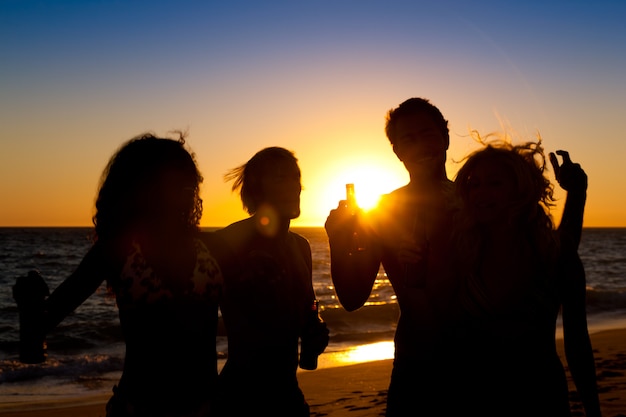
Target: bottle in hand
(310,340)
(357,242)
(30,293)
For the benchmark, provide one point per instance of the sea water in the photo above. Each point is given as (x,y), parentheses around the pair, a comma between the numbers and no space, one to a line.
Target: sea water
(85,352)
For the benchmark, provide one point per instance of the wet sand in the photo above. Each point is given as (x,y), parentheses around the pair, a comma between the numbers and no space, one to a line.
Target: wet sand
(360,390)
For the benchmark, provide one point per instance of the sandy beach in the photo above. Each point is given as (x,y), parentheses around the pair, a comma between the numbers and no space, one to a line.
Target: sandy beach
(360,390)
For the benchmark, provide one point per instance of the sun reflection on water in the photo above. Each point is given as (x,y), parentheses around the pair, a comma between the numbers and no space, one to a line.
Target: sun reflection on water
(358,354)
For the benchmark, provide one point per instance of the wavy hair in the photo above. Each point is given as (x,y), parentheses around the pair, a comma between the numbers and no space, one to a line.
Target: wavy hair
(128,194)
(533,190)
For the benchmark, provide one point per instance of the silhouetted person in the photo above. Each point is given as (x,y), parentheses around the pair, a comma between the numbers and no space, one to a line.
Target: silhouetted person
(516,273)
(409,234)
(165,277)
(268,298)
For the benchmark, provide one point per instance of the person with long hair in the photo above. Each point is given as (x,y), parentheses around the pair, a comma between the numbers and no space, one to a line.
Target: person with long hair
(516,274)
(165,276)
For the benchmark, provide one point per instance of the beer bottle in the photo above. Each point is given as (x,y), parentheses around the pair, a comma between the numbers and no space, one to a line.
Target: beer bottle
(309,344)
(357,241)
(30,293)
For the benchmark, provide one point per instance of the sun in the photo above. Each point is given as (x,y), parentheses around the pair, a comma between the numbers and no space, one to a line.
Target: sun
(370,183)
(367,197)
(325,184)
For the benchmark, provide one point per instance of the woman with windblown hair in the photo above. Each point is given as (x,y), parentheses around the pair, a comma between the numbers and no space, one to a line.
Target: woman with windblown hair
(516,276)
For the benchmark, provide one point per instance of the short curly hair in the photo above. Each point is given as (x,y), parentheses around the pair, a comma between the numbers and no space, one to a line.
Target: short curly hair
(412,106)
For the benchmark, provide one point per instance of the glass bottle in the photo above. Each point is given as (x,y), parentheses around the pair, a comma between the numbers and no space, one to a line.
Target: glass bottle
(30,293)
(357,241)
(309,344)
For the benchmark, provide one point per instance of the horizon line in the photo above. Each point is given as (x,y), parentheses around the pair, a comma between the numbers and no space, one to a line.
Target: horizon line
(220,227)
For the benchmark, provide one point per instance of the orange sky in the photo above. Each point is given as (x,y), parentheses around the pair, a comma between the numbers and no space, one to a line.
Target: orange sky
(79,81)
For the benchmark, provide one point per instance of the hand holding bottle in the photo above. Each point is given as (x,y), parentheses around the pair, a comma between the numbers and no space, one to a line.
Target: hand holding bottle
(30,293)
(343,224)
(314,338)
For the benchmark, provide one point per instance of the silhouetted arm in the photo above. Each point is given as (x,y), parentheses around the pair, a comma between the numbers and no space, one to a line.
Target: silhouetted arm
(353,272)
(72,292)
(318,335)
(572,178)
(578,349)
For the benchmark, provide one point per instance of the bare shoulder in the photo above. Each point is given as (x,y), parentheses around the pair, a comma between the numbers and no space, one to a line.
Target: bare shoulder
(236,233)
(398,193)
(303,243)
(299,238)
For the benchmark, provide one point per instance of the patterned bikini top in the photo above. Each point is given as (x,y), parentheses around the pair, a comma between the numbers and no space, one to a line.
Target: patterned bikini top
(139,284)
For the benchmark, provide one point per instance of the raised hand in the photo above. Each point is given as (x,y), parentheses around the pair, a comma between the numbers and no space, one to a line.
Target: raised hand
(570,176)
(343,227)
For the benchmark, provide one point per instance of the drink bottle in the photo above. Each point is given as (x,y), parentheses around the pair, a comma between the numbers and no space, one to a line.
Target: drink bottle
(309,345)
(357,242)
(351,198)
(30,293)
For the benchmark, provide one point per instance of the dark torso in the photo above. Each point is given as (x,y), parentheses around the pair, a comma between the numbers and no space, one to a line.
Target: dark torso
(169,322)
(266,296)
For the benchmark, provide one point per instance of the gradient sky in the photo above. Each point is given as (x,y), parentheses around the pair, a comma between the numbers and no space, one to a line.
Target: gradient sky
(79,78)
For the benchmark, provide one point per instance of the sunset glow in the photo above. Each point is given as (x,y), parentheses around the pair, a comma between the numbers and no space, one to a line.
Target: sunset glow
(363,353)
(312,77)
(373,169)
(370,183)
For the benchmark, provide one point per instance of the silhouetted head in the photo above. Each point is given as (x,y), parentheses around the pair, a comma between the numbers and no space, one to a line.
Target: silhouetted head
(420,138)
(270,178)
(149,183)
(505,183)
(412,107)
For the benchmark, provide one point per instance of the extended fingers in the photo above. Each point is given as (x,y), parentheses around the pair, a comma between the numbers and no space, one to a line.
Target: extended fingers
(565,156)
(553,160)
(555,164)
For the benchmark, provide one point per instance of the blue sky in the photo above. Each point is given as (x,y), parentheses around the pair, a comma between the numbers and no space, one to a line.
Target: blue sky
(78,78)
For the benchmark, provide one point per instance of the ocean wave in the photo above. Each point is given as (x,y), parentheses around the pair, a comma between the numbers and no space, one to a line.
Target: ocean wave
(67,367)
(88,343)
(599,300)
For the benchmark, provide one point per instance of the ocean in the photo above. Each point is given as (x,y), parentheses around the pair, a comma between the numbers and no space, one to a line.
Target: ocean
(85,352)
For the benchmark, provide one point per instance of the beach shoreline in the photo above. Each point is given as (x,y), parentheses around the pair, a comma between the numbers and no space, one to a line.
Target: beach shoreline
(360,390)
